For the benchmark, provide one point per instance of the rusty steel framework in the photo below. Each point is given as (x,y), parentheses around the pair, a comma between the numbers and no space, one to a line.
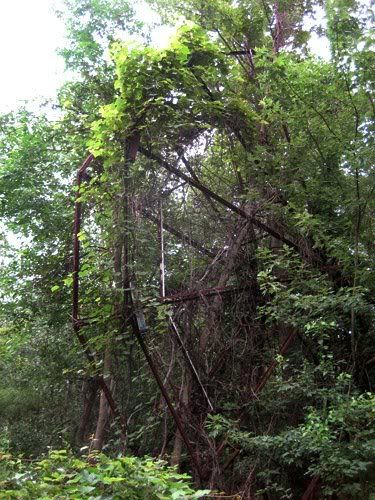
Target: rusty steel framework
(139,326)
(199,294)
(137,322)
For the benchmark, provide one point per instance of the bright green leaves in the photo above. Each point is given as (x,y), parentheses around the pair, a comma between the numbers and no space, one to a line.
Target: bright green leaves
(308,301)
(317,120)
(61,474)
(159,88)
(91,26)
(342,436)
(350,25)
(234,21)
(30,177)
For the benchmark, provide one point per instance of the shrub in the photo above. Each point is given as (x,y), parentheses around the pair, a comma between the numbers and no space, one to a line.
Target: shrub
(62,475)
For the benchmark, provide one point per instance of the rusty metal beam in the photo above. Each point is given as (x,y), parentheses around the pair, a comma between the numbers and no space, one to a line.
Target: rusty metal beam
(139,328)
(180,235)
(206,191)
(197,294)
(190,363)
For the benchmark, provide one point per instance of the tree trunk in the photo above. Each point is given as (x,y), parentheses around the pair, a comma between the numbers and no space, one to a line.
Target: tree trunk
(89,389)
(184,402)
(234,247)
(104,409)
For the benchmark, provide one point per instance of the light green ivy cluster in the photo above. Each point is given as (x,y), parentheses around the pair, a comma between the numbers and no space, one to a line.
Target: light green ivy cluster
(166,94)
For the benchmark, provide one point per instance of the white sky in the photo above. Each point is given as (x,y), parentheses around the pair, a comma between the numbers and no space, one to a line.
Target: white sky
(29,37)
(30,34)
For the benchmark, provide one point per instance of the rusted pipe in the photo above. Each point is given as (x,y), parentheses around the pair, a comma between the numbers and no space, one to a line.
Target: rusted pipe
(190,363)
(198,294)
(206,191)
(138,323)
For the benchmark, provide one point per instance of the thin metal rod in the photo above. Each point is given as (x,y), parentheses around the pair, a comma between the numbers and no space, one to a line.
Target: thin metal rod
(138,326)
(205,190)
(190,362)
(180,235)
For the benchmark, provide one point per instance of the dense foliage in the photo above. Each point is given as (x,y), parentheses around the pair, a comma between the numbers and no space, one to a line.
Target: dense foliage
(60,475)
(233,172)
